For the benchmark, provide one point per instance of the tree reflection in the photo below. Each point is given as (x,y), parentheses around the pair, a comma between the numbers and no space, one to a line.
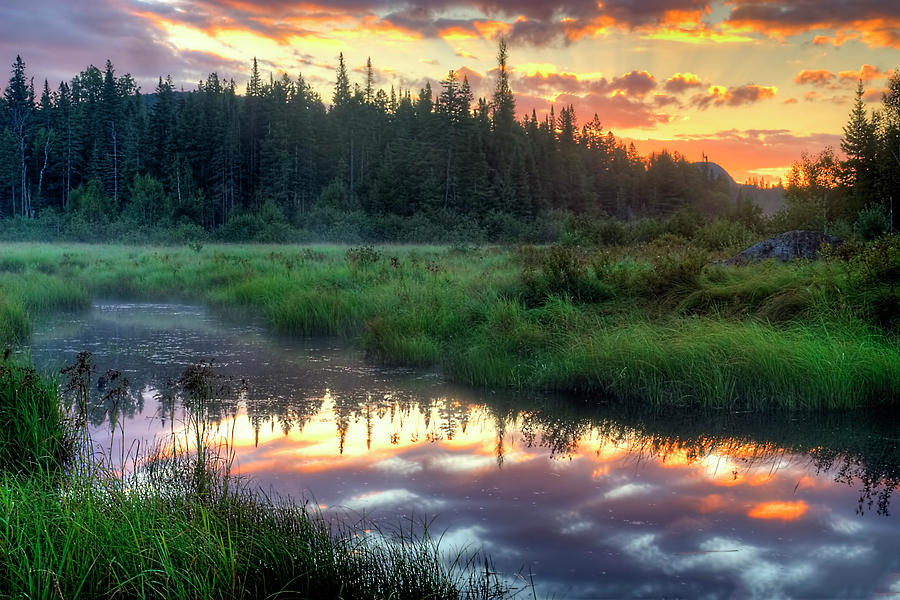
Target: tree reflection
(857,449)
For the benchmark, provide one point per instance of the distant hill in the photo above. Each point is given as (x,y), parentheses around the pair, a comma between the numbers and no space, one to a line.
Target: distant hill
(769,200)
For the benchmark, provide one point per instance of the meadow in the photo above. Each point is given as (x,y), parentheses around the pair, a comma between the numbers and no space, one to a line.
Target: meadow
(656,323)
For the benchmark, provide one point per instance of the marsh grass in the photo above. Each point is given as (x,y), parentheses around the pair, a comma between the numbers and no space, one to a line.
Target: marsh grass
(179,526)
(656,323)
(36,437)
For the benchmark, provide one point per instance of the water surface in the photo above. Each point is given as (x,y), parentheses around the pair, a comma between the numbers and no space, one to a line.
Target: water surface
(583,497)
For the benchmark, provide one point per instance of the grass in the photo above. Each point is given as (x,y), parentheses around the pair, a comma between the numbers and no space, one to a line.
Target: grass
(655,324)
(178,526)
(102,542)
(35,436)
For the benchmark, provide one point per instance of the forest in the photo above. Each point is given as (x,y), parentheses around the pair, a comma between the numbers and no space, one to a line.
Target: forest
(97,158)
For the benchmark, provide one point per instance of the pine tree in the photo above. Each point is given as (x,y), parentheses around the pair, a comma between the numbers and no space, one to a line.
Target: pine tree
(341,96)
(370,82)
(503,108)
(859,144)
(19,105)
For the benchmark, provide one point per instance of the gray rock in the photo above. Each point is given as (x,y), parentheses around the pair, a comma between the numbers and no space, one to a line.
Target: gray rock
(786,247)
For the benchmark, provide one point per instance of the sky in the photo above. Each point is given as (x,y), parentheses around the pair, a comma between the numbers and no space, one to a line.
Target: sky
(748,83)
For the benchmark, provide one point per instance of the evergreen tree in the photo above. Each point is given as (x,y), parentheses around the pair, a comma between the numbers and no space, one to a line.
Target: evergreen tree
(341,96)
(860,145)
(503,108)
(19,108)
(370,82)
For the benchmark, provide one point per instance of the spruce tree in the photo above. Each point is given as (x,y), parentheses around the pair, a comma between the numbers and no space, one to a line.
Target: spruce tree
(19,105)
(859,144)
(341,96)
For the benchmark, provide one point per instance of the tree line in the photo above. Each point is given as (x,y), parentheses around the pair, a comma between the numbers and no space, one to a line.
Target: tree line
(860,189)
(95,156)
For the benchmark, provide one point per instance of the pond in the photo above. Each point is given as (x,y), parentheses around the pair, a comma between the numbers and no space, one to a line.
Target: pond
(583,497)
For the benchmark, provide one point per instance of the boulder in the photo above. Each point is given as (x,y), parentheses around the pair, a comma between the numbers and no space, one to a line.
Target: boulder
(785,247)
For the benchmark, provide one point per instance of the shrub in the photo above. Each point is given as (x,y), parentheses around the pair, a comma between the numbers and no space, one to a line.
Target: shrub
(677,272)
(874,277)
(363,257)
(723,234)
(565,271)
(872,222)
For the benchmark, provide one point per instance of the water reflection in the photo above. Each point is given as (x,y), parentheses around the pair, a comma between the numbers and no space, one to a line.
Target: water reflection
(594,499)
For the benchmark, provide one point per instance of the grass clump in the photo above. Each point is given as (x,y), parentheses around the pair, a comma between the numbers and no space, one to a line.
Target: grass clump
(35,433)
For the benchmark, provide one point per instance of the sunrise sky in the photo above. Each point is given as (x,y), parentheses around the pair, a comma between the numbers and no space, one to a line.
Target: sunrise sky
(750,83)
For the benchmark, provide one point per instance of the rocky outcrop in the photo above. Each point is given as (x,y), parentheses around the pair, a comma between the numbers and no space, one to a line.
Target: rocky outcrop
(785,247)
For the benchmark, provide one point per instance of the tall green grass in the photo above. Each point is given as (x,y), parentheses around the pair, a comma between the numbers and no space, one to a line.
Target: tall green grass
(93,541)
(655,323)
(36,435)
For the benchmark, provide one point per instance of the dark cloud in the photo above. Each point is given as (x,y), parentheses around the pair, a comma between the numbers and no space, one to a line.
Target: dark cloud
(874,22)
(58,39)
(636,83)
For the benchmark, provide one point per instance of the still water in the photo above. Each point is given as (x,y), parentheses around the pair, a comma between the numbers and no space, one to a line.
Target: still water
(585,498)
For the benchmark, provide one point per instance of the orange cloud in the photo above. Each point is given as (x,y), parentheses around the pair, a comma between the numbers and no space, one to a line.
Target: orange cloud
(866,73)
(492,29)
(718,95)
(456,33)
(820,77)
(875,24)
(679,82)
(785,511)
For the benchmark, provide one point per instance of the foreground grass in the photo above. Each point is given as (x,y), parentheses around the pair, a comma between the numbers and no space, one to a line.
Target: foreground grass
(86,541)
(72,528)
(654,325)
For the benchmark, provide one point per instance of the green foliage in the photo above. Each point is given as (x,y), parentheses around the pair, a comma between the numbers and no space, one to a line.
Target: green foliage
(677,272)
(875,281)
(872,222)
(149,203)
(363,257)
(269,226)
(90,206)
(35,434)
(724,234)
(564,271)
(539,317)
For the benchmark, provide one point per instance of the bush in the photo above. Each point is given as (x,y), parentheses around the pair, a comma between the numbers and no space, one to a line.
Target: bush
(363,257)
(723,234)
(874,278)
(677,272)
(872,222)
(565,271)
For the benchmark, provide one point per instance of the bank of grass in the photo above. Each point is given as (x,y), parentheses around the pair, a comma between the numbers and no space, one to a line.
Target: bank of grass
(657,323)
(87,541)
(72,527)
